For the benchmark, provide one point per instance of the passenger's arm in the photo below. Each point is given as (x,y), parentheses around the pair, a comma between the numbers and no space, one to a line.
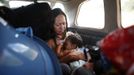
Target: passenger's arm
(60,53)
(58,50)
(73,56)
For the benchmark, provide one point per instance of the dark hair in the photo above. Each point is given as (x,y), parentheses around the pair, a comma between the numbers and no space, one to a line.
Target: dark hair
(33,14)
(75,39)
(38,16)
(55,13)
(7,14)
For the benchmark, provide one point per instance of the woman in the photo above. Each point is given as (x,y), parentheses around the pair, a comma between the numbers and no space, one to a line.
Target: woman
(60,27)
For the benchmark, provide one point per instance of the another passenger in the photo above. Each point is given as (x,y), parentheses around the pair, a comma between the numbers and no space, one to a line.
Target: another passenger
(38,16)
(8,15)
(118,47)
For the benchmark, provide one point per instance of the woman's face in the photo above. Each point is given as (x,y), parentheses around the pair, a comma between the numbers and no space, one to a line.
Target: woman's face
(60,24)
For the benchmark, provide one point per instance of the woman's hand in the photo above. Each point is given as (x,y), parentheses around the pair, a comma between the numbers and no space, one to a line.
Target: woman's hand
(74,55)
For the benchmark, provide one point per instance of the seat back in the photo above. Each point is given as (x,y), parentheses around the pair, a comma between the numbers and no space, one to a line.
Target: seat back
(21,55)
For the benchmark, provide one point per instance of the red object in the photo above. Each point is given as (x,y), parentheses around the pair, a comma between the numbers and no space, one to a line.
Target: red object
(118,46)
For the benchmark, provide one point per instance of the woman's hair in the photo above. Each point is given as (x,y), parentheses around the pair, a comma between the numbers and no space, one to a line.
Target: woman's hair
(55,13)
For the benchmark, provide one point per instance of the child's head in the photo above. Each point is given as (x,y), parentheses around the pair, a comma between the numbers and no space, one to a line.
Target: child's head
(73,41)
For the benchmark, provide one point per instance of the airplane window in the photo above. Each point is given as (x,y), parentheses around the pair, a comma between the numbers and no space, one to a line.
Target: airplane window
(127,12)
(15,4)
(91,14)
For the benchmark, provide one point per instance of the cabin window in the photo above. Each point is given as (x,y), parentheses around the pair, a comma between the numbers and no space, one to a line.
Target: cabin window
(91,14)
(127,13)
(16,4)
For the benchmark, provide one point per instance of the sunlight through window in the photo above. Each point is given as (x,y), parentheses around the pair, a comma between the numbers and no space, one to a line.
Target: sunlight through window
(91,14)
(127,12)
(15,4)
(1,4)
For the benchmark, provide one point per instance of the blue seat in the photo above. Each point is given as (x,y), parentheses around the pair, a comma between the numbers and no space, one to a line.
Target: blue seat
(21,55)
(26,31)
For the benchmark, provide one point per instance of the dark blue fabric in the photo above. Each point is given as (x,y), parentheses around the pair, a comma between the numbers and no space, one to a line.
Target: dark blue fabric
(103,65)
(26,31)
(21,55)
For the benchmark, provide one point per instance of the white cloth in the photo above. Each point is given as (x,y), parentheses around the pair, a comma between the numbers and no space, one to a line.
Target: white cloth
(76,64)
(79,63)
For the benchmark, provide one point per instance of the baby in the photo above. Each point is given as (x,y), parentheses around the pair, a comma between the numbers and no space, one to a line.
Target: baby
(73,42)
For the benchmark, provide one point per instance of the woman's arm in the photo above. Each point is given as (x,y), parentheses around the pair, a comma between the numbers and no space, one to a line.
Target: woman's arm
(73,56)
(62,53)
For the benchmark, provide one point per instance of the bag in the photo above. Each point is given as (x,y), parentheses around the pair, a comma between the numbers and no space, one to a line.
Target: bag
(118,46)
